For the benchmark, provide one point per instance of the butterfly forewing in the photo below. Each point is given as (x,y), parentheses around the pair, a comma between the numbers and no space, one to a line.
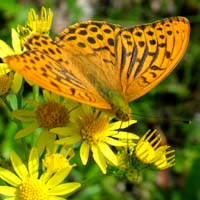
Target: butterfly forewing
(46,65)
(93,42)
(91,37)
(156,50)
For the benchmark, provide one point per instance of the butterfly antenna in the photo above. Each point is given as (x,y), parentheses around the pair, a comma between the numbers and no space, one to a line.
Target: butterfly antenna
(182,121)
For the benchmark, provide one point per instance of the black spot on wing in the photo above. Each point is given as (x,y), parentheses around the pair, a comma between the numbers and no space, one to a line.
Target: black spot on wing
(107,30)
(93,29)
(72,91)
(110,41)
(99,36)
(51,51)
(141,43)
(152,42)
(44,42)
(82,32)
(71,38)
(169,32)
(38,44)
(91,40)
(81,44)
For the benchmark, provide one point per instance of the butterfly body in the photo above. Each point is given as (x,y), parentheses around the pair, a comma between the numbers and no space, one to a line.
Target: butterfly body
(104,65)
(120,107)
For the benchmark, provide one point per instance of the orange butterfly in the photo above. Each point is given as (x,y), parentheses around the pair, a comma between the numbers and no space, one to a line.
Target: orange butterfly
(104,65)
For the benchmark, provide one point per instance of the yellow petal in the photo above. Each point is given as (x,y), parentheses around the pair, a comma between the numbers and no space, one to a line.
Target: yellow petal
(9,177)
(115,142)
(124,135)
(16,44)
(33,163)
(4,69)
(23,115)
(5,49)
(65,188)
(19,166)
(54,198)
(65,131)
(58,177)
(108,153)
(46,139)
(84,152)
(69,140)
(7,190)
(14,198)
(99,158)
(16,83)
(27,130)
(121,125)
(45,176)
(145,152)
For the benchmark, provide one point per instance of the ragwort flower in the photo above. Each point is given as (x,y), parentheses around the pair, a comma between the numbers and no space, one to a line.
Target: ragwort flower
(57,160)
(96,134)
(26,183)
(50,114)
(42,23)
(36,23)
(148,150)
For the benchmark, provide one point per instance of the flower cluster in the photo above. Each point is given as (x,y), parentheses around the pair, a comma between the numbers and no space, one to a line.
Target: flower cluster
(61,127)
(27,183)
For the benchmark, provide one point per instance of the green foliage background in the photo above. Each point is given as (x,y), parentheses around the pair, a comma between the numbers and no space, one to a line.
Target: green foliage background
(165,108)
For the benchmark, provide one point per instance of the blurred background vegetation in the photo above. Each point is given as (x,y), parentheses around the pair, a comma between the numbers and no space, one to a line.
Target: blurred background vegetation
(165,108)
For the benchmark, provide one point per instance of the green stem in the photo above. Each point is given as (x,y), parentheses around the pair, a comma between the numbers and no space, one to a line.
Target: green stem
(20,96)
(36,93)
(6,103)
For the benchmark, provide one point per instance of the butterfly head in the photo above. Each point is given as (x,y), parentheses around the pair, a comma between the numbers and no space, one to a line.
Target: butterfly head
(120,114)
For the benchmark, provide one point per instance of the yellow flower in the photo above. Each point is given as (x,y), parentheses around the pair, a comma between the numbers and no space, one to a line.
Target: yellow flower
(6,50)
(96,134)
(26,183)
(58,160)
(35,23)
(167,157)
(40,24)
(148,150)
(52,113)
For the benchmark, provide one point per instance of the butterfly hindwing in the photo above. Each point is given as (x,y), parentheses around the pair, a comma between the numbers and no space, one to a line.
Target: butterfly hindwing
(146,54)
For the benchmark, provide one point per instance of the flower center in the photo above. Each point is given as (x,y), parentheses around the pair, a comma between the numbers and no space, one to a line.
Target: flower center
(92,127)
(32,189)
(5,83)
(52,115)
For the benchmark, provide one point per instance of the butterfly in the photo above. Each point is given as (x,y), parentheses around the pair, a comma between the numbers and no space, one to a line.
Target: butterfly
(102,64)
